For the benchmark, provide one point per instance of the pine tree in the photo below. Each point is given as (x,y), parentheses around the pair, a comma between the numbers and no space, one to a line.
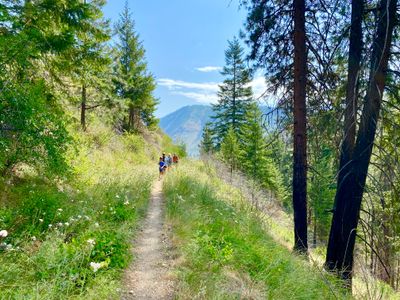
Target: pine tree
(235,94)
(206,145)
(255,160)
(89,60)
(134,84)
(230,150)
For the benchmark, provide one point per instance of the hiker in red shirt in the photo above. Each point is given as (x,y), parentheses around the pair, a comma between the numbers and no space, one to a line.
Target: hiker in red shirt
(175,159)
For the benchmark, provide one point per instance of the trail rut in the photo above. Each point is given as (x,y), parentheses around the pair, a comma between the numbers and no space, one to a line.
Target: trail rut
(149,277)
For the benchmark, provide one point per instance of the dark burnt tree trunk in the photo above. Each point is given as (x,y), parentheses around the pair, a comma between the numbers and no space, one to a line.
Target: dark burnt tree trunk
(350,113)
(83,107)
(299,131)
(353,72)
(350,192)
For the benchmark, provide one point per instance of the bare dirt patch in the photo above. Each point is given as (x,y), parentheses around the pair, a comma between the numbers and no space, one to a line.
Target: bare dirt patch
(150,277)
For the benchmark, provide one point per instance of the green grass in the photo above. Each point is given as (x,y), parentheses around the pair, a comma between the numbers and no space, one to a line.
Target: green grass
(226,252)
(59,226)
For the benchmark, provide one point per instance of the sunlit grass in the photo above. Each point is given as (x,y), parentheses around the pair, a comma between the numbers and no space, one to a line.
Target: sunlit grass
(71,238)
(226,250)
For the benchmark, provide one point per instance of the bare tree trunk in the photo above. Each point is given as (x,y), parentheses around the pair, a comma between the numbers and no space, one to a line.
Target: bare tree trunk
(83,107)
(353,71)
(299,133)
(350,192)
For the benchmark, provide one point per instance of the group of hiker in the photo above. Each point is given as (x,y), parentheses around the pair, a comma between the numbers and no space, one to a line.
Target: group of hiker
(166,162)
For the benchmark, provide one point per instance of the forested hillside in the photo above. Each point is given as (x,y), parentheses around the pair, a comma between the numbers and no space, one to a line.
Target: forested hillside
(186,126)
(78,148)
(330,157)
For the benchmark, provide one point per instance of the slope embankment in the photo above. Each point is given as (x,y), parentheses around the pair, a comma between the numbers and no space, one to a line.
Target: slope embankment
(226,251)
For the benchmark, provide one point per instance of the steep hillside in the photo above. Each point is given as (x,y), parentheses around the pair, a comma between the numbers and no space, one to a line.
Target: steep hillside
(186,125)
(69,237)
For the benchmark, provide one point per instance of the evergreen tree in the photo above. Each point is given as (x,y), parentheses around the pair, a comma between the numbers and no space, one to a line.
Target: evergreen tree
(133,83)
(89,60)
(235,94)
(206,145)
(34,35)
(255,160)
(230,150)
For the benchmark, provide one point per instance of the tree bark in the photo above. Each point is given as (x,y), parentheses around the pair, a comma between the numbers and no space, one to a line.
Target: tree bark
(350,113)
(299,132)
(131,119)
(83,107)
(353,71)
(350,192)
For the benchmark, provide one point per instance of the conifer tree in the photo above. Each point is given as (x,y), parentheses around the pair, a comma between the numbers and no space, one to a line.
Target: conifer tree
(89,59)
(230,150)
(235,94)
(133,83)
(206,145)
(255,160)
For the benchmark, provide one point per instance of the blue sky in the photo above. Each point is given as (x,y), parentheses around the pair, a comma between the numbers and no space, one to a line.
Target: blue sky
(185,42)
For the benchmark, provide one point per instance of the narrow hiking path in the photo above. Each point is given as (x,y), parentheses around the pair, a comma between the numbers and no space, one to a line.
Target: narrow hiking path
(149,276)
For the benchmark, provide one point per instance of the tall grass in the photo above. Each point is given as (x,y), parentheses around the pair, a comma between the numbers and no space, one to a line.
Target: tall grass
(226,252)
(70,238)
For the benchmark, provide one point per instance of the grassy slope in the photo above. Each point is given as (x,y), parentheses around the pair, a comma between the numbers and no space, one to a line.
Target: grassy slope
(226,251)
(58,227)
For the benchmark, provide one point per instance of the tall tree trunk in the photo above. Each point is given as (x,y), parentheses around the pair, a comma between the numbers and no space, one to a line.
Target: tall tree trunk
(350,113)
(353,71)
(300,134)
(350,192)
(131,119)
(83,107)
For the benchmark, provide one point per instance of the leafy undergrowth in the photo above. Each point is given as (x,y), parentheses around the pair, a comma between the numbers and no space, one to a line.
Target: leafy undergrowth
(226,252)
(71,238)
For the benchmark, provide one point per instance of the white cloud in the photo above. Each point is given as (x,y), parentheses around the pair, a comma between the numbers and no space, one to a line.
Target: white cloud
(259,86)
(200,97)
(172,84)
(209,69)
(206,92)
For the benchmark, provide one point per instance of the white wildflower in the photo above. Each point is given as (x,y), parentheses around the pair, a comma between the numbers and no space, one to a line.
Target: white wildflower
(41,220)
(60,209)
(96,224)
(91,242)
(87,218)
(66,224)
(79,217)
(50,225)
(126,202)
(3,233)
(96,266)
(34,238)
(117,196)
(60,224)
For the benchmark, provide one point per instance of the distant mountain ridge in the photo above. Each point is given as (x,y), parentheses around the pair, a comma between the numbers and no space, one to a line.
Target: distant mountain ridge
(186,126)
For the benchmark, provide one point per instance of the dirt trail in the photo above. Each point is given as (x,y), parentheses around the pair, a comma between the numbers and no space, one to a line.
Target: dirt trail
(149,276)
